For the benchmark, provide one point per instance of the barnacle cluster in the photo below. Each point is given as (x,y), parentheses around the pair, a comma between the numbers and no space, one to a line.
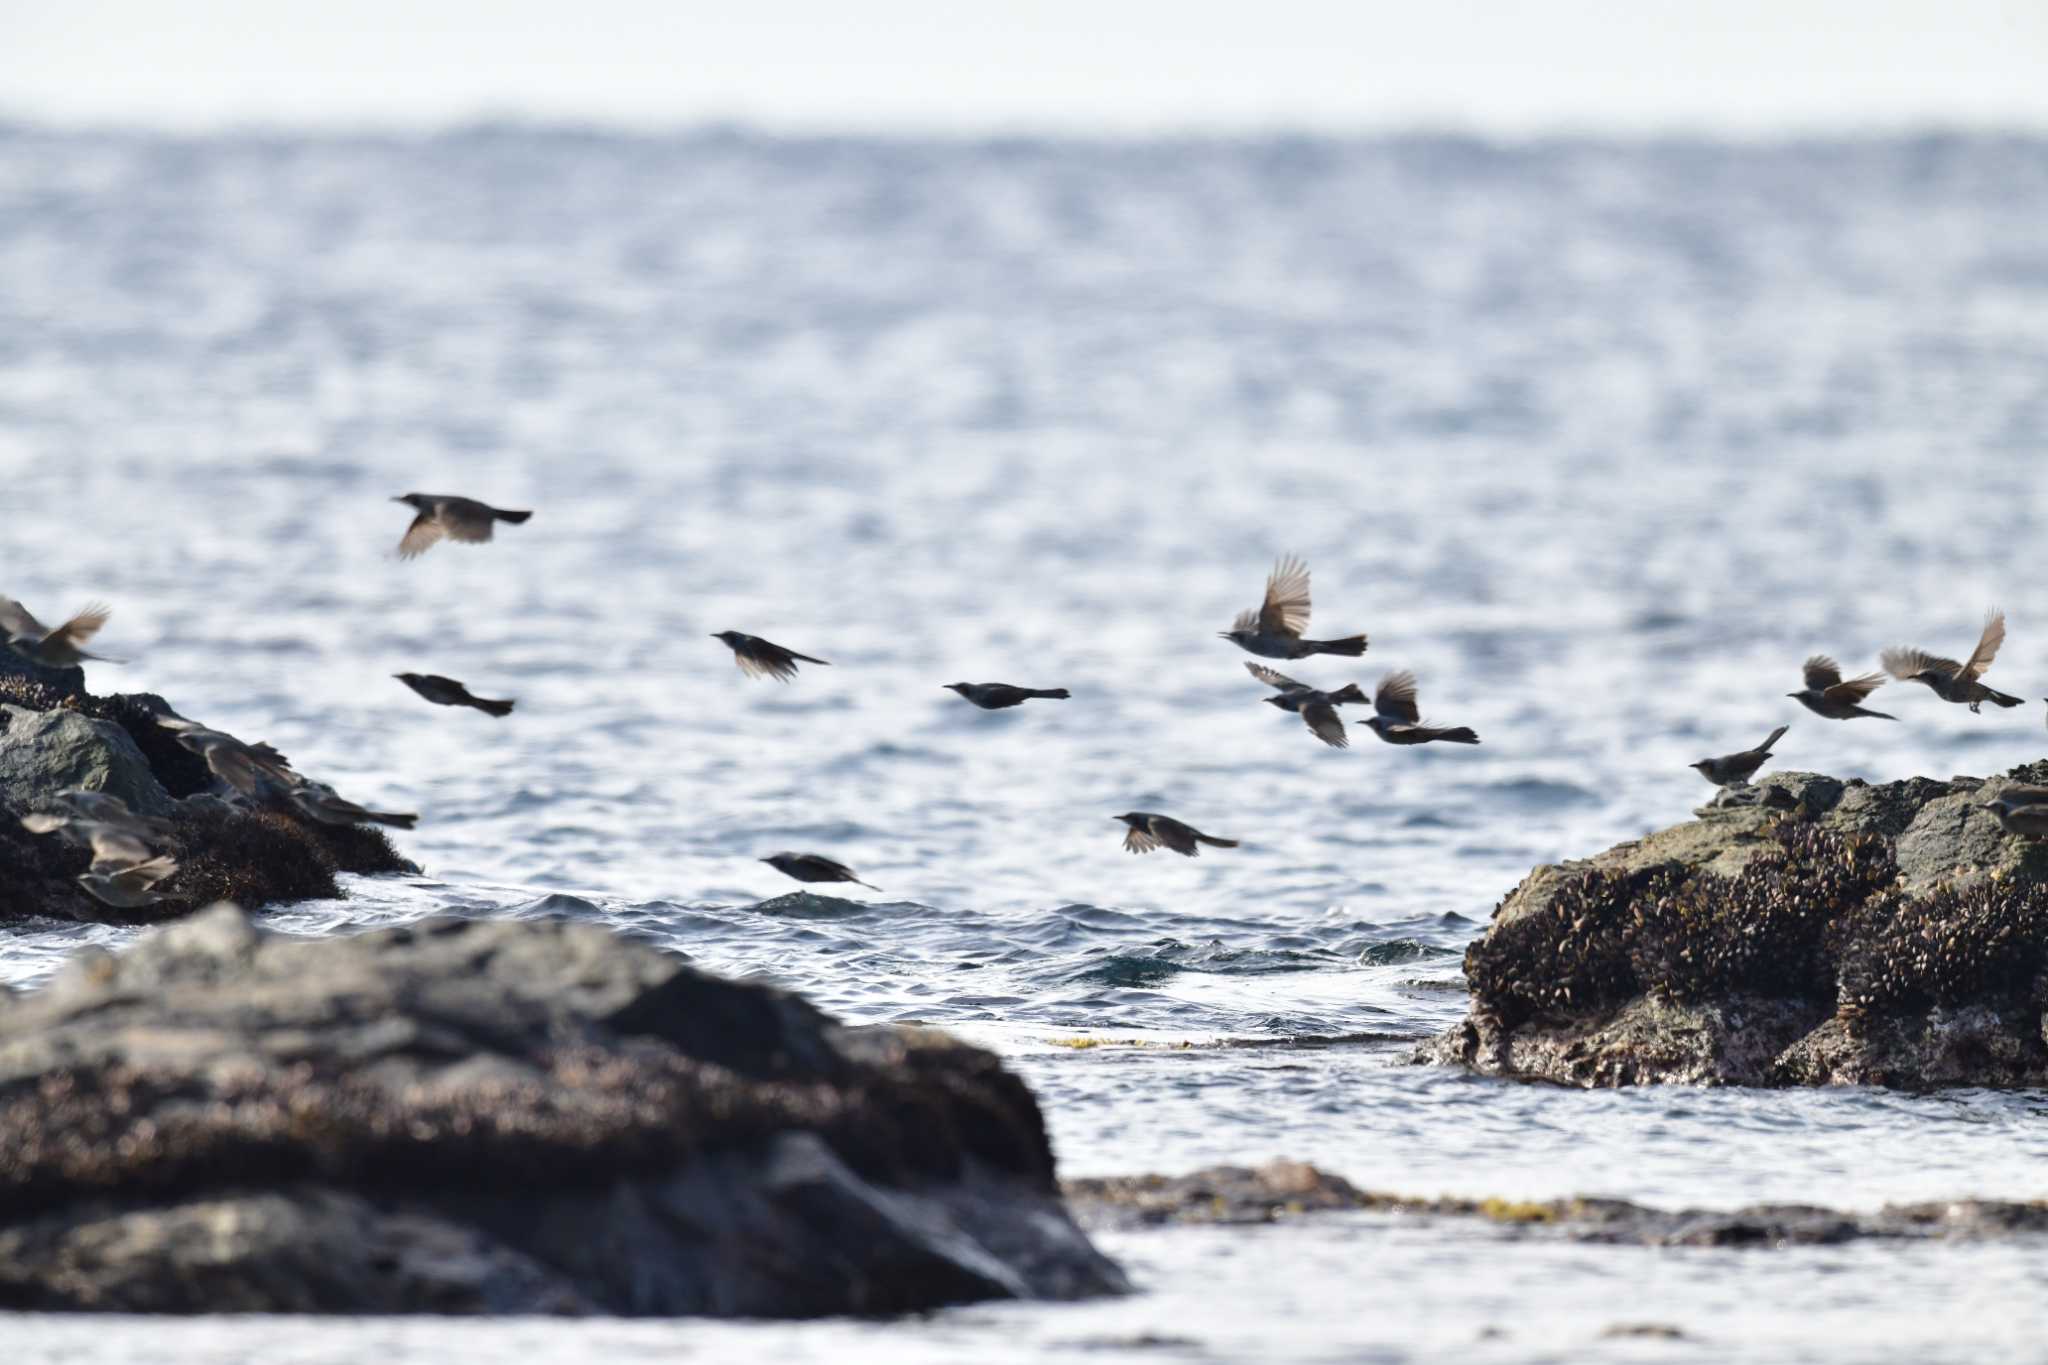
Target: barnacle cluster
(1984,943)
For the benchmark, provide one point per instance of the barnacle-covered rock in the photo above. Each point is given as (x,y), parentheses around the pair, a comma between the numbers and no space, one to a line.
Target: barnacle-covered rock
(55,735)
(1811,932)
(496,1117)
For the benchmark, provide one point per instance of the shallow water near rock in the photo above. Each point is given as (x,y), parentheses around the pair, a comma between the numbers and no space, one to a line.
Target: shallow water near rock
(1601,440)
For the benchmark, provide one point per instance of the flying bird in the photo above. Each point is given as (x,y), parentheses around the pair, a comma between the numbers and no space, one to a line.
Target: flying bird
(1149,831)
(1827,695)
(1318,710)
(442,514)
(1948,679)
(814,867)
(54,648)
(1274,630)
(128,886)
(759,658)
(321,802)
(81,806)
(448,692)
(1398,720)
(996,696)
(2018,815)
(1735,770)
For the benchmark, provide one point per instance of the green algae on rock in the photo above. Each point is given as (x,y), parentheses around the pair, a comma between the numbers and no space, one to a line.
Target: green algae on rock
(1821,933)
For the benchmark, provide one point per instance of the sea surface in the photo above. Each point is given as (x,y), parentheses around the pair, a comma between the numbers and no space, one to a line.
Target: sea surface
(1600,439)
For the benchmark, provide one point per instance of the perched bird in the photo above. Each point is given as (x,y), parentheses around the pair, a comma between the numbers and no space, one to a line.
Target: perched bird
(1948,679)
(448,692)
(996,696)
(814,867)
(1274,630)
(1735,770)
(443,514)
(321,802)
(128,886)
(58,648)
(2028,819)
(1149,831)
(1318,710)
(759,658)
(1827,695)
(1398,720)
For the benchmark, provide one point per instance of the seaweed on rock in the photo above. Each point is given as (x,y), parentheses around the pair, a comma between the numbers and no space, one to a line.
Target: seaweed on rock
(1976,945)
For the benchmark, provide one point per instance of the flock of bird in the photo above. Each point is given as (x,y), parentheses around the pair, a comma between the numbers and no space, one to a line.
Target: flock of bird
(2021,810)
(126,866)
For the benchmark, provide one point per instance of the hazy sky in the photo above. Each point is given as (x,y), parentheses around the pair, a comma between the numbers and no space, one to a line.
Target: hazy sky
(1086,65)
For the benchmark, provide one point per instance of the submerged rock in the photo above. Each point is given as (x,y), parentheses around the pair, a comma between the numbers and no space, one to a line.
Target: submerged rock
(1238,1195)
(54,735)
(513,1116)
(1821,932)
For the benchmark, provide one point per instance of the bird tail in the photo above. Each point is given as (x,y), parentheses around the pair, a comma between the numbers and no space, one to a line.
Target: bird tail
(1874,715)
(869,885)
(396,819)
(1049,693)
(808,659)
(514,517)
(1461,734)
(2001,698)
(1775,736)
(1348,693)
(1351,646)
(1214,842)
(493,708)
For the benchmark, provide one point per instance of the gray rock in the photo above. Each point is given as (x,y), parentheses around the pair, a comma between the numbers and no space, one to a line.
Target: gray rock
(1807,932)
(45,752)
(470,1117)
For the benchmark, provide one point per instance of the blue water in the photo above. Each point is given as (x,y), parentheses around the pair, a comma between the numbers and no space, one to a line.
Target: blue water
(1600,439)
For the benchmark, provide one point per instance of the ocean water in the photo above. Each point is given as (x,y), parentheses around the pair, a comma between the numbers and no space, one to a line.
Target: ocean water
(1600,439)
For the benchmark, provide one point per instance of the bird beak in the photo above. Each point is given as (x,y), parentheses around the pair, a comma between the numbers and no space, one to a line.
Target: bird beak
(398,499)
(1223,635)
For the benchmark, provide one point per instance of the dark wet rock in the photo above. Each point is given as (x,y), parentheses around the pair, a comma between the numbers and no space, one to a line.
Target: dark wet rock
(479,1117)
(1237,1195)
(45,752)
(1811,932)
(53,737)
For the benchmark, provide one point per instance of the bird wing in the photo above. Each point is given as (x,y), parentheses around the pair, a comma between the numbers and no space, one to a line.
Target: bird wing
(18,622)
(1139,840)
(1855,689)
(466,520)
(1987,645)
(1322,718)
(837,869)
(1174,835)
(1822,672)
(759,659)
(1906,663)
(420,537)
(85,624)
(1395,698)
(1273,677)
(1285,611)
(110,845)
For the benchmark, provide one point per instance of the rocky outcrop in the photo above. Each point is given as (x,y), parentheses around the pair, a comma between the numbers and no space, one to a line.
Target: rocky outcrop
(54,735)
(472,1117)
(1820,932)
(1280,1190)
